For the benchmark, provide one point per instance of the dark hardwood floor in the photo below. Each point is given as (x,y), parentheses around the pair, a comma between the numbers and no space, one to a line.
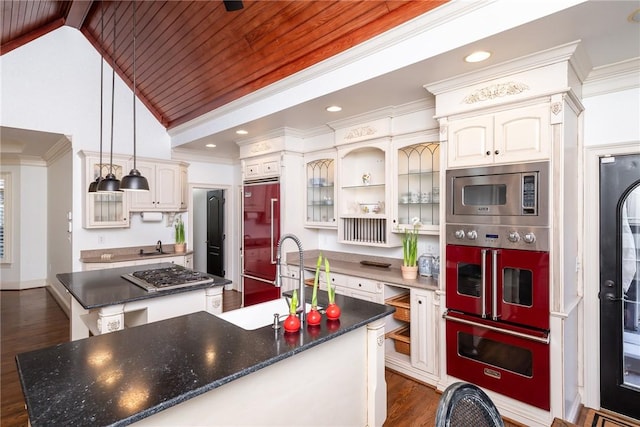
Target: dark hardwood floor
(32,319)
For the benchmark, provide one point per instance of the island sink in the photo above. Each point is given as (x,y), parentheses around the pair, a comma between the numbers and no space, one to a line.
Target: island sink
(258,315)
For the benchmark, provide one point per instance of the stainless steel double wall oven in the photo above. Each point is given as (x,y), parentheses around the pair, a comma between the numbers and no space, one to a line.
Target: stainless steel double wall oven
(497,279)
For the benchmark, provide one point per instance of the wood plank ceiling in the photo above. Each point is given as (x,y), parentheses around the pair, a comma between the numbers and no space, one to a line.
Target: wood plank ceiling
(194,56)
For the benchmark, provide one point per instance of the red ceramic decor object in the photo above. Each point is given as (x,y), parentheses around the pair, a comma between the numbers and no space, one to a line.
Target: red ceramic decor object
(333,312)
(291,323)
(313,317)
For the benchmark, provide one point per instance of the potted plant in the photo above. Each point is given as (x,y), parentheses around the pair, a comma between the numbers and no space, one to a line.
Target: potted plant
(180,245)
(333,311)
(313,316)
(409,266)
(292,323)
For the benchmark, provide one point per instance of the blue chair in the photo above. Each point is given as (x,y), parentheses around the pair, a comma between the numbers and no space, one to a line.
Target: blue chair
(463,404)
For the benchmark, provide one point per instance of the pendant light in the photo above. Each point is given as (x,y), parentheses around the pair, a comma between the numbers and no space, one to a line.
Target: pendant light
(93,187)
(134,181)
(110,183)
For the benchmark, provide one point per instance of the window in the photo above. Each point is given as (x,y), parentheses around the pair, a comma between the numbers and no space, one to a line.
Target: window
(5,217)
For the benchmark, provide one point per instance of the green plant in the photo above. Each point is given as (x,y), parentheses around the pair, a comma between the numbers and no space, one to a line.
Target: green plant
(410,244)
(314,297)
(179,227)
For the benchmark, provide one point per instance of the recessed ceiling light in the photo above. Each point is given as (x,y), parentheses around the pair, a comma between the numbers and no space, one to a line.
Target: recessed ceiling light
(211,145)
(477,56)
(242,132)
(334,108)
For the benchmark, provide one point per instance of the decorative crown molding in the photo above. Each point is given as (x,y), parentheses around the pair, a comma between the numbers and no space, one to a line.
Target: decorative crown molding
(360,132)
(495,91)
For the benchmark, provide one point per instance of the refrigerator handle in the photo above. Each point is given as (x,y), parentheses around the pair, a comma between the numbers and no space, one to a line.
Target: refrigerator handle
(273,202)
(494,284)
(483,282)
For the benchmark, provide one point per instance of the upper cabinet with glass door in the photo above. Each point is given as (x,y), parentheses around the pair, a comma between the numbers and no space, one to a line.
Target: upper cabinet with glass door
(104,210)
(320,190)
(418,187)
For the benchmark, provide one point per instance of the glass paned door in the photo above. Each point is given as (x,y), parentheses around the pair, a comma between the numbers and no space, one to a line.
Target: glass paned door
(418,184)
(619,282)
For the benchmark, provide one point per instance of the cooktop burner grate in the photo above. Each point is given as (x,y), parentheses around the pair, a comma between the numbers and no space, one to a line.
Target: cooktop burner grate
(167,278)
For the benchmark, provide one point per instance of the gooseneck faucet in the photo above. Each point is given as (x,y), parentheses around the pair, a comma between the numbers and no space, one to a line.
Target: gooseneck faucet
(278,281)
(159,246)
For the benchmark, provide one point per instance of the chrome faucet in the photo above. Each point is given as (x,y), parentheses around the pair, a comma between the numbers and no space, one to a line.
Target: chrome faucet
(159,246)
(278,281)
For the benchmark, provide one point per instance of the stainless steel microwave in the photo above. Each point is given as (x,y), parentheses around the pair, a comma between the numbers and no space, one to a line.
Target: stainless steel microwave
(516,194)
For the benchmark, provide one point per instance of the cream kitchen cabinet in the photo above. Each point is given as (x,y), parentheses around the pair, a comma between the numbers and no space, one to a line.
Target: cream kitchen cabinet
(104,210)
(356,287)
(320,191)
(363,192)
(510,136)
(184,187)
(418,328)
(165,187)
(424,330)
(417,187)
(261,167)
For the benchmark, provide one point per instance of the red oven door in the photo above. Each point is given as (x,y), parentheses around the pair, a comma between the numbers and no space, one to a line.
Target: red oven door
(499,284)
(509,360)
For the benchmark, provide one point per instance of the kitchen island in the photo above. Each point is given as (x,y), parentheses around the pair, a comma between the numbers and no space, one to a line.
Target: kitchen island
(103,301)
(199,369)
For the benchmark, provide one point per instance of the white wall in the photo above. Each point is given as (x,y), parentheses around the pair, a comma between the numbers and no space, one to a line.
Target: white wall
(612,118)
(29,225)
(52,84)
(60,204)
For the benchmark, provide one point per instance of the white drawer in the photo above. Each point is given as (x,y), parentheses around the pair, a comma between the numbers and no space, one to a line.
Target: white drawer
(270,168)
(364,285)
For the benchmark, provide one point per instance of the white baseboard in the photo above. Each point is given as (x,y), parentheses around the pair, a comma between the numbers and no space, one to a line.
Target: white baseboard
(61,296)
(17,286)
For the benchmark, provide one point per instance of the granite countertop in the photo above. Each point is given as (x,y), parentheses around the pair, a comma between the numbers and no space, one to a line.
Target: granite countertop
(93,381)
(101,288)
(349,264)
(110,255)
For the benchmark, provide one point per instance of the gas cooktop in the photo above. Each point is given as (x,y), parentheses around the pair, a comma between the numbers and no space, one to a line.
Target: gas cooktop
(161,279)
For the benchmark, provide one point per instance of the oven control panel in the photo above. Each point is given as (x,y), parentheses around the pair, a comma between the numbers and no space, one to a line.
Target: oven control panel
(498,236)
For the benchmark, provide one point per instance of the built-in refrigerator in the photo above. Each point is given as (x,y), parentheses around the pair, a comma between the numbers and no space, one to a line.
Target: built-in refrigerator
(261,232)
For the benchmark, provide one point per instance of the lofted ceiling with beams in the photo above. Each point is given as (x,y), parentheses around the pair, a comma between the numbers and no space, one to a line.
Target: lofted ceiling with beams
(194,56)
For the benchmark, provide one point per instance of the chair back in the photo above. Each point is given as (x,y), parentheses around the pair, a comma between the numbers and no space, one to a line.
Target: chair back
(464,404)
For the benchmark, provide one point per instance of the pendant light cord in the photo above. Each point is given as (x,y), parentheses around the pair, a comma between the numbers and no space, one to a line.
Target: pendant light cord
(113,83)
(134,85)
(101,79)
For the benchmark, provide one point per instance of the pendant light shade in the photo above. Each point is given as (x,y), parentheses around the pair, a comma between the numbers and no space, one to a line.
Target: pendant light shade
(109,184)
(134,181)
(93,187)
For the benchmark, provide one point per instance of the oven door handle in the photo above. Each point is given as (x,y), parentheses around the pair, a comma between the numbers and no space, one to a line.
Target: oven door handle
(483,282)
(544,340)
(494,285)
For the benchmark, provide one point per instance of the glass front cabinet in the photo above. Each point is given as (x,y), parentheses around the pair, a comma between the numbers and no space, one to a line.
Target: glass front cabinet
(105,210)
(320,191)
(417,190)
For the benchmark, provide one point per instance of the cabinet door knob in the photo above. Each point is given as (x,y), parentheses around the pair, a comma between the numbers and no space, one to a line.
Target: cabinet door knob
(419,301)
(488,153)
(497,151)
